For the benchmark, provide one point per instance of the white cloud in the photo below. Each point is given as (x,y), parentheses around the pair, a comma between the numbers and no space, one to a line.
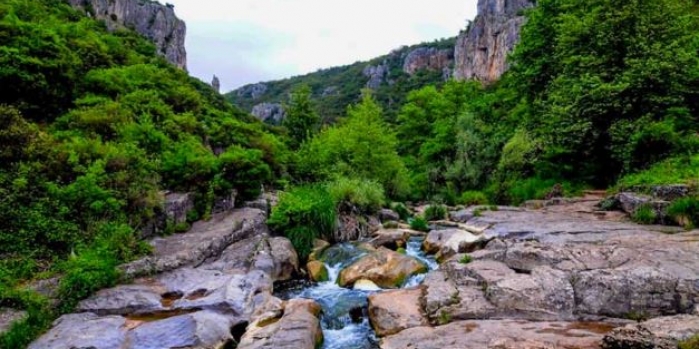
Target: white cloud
(246,41)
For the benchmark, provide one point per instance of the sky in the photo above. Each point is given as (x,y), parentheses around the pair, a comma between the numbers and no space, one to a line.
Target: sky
(248,41)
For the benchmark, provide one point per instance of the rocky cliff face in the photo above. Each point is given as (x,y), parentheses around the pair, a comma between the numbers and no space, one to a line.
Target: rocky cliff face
(156,22)
(481,51)
(429,58)
(272,113)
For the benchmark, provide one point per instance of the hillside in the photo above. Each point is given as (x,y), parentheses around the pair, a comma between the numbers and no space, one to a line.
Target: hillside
(391,77)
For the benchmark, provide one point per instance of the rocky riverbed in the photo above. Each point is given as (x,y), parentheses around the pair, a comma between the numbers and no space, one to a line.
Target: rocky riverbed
(556,275)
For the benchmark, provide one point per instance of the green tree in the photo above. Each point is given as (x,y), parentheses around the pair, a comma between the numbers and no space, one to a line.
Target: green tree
(301,120)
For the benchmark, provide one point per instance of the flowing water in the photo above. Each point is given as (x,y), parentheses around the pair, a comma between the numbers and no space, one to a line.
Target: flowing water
(344,320)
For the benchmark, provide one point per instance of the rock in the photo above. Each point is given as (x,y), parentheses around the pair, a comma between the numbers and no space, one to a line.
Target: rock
(206,239)
(84,330)
(238,297)
(286,260)
(500,334)
(317,271)
(658,333)
(318,247)
(481,51)
(192,283)
(386,268)
(156,22)
(175,208)
(388,215)
(199,330)
(670,192)
(216,84)
(8,317)
(122,300)
(390,238)
(299,327)
(366,285)
(252,91)
(428,58)
(393,311)
(224,203)
(376,74)
(272,113)
(353,227)
(449,242)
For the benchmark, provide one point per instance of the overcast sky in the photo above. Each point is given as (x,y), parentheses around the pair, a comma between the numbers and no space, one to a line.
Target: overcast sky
(248,41)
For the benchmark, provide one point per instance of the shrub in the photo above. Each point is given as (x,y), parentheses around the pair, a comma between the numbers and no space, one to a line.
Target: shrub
(471,198)
(401,210)
(85,274)
(685,211)
(689,343)
(419,224)
(366,195)
(644,214)
(304,214)
(435,212)
(465,259)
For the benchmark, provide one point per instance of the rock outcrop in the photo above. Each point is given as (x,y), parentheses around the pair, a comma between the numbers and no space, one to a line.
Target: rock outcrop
(272,113)
(658,333)
(298,327)
(216,84)
(155,21)
(376,74)
(429,58)
(481,50)
(253,91)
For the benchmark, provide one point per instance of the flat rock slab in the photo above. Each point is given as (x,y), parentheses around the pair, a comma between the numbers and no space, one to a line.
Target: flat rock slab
(500,334)
(206,239)
(393,311)
(200,330)
(84,330)
(122,300)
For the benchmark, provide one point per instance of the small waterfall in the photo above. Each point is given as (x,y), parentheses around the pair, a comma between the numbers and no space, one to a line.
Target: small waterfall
(344,320)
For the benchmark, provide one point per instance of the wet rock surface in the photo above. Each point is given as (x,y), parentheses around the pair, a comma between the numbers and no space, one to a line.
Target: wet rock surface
(386,268)
(298,327)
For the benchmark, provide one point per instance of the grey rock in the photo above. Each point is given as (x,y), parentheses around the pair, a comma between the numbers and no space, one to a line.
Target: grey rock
(272,113)
(388,215)
(393,311)
(390,238)
(670,192)
(189,282)
(481,51)
(156,22)
(286,260)
(175,208)
(216,84)
(253,91)
(298,327)
(84,331)
(428,58)
(658,333)
(199,330)
(205,239)
(122,300)
(8,317)
(448,242)
(377,75)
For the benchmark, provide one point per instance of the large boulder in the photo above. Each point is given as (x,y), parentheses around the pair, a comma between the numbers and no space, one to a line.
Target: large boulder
(393,311)
(658,333)
(317,271)
(386,268)
(388,215)
(199,330)
(390,238)
(448,242)
(298,327)
(122,300)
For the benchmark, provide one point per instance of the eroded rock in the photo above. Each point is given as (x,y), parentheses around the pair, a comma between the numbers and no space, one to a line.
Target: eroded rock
(393,311)
(299,327)
(658,333)
(386,268)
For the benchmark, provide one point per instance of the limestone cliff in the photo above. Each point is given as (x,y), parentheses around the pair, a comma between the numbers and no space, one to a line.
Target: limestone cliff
(156,22)
(481,50)
(430,58)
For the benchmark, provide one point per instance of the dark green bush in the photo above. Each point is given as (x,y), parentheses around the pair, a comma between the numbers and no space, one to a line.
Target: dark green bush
(689,343)
(401,210)
(419,224)
(435,212)
(471,198)
(304,214)
(685,211)
(644,214)
(366,195)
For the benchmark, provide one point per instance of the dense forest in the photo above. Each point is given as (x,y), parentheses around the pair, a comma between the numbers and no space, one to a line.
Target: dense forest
(94,127)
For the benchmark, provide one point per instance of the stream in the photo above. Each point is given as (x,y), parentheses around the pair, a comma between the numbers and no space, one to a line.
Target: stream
(344,320)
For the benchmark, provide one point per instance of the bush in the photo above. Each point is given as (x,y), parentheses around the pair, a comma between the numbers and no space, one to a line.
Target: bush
(465,259)
(690,343)
(435,212)
(677,170)
(419,224)
(401,210)
(645,214)
(685,211)
(366,195)
(304,214)
(471,198)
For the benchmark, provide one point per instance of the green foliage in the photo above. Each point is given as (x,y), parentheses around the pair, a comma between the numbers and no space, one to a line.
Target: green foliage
(465,259)
(685,211)
(644,214)
(362,146)
(401,210)
(304,214)
(675,170)
(419,224)
(301,121)
(470,198)
(689,343)
(435,212)
(367,196)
